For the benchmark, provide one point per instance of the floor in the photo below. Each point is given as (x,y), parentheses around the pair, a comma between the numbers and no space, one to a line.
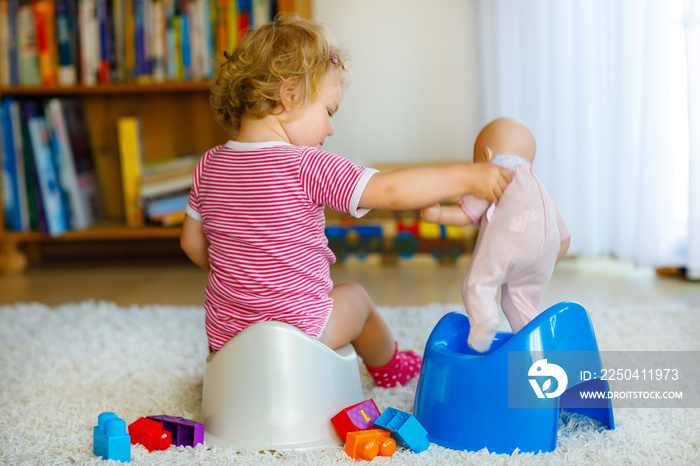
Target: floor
(172,280)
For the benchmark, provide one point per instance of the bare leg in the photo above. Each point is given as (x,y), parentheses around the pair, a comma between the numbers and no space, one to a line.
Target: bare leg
(355,320)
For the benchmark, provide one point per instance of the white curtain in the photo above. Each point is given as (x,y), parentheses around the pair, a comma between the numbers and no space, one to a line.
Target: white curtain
(692,30)
(595,81)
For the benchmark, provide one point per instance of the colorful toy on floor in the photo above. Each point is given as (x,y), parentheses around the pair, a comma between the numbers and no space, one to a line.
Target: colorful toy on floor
(355,418)
(273,387)
(367,444)
(499,400)
(109,437)
(184,432)
(150,434)
(405,429)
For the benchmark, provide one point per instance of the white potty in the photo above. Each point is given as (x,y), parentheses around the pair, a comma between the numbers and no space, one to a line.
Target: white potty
(272,387)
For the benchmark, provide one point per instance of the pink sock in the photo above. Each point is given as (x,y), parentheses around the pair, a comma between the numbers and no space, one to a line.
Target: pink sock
(403,367)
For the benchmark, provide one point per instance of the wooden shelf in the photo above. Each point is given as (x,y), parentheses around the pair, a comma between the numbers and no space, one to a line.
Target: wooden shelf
(100,231)
(105,89)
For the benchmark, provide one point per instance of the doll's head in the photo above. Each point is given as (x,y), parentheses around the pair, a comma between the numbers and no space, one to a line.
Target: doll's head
(505,136)
(290,50)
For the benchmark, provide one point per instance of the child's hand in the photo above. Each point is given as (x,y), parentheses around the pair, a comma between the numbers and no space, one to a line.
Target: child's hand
(489,181)
(431,214)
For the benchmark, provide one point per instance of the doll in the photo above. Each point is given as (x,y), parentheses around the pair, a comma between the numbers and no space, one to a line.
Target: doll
(520,239)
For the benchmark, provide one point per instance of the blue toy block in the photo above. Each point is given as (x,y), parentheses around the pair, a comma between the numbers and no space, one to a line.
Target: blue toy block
(510,397)
(110,440)
(405,429)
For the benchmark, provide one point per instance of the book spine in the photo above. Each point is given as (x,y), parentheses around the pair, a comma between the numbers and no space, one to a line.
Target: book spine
(45,17)
(27,47)
(66,165)
(104,72)
(119,40)
(65,34)
(170,47)
(46,173)
(89,41)
(15,117)
(12,10)
(185,45)
(128,129)
(158,40)
(129,40)
(10,186)
(4,43)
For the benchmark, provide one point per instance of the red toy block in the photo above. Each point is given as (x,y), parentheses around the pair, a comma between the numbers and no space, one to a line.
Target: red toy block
(366,444)
(150,434)
(355,418)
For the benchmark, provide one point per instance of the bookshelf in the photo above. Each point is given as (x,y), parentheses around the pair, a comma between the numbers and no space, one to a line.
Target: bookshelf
(175,119)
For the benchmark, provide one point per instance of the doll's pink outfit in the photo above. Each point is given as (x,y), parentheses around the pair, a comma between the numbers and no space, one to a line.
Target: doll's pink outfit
(516,250)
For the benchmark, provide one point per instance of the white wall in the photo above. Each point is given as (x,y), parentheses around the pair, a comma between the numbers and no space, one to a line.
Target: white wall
(413,95)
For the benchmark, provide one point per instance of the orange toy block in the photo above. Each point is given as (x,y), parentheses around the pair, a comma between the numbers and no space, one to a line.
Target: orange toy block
(366,444)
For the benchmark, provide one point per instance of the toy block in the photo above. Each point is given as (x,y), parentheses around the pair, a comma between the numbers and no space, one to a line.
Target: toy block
(150,434)
(109,438)
(405,429)
(184,432)
(366,444)
(360,416)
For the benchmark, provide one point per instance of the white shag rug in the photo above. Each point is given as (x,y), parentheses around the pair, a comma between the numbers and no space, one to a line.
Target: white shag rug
(60,367)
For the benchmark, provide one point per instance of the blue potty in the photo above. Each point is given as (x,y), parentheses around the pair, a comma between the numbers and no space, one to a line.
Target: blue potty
(509,397)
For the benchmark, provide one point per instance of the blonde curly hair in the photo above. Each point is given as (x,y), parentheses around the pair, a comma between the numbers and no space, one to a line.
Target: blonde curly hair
(288,50)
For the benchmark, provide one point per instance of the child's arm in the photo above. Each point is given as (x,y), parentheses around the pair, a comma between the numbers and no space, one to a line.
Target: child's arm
(445,215)
(415,188)
(194,243)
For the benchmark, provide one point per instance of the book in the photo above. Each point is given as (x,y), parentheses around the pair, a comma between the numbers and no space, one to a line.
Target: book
(27,110)
(129,41)
(55,212)
(13,8)
(130,154)
(45,20)
(89,41)
(157,171)
(171,47)
(76,167)
(12,209)
(166,186)
(185,47)
(4,43)
(261,12)
(106,50)
(21,164)
(65,36)
(158,41)
(27,55)
(166,205)
(168,176)
(119,40)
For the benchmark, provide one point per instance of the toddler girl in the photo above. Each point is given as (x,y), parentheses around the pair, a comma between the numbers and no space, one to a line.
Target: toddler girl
(255,215)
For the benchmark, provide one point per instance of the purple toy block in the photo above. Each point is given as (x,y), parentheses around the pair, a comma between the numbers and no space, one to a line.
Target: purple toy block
(185,433)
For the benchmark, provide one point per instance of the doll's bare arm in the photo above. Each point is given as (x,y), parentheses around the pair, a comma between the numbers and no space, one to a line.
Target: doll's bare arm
(194,242)
(445,215)
(563,249)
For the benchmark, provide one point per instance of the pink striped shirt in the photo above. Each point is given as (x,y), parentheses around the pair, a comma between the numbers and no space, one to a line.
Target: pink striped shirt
(262,209)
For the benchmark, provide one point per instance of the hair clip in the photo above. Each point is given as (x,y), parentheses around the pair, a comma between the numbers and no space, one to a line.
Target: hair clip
(335,59)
